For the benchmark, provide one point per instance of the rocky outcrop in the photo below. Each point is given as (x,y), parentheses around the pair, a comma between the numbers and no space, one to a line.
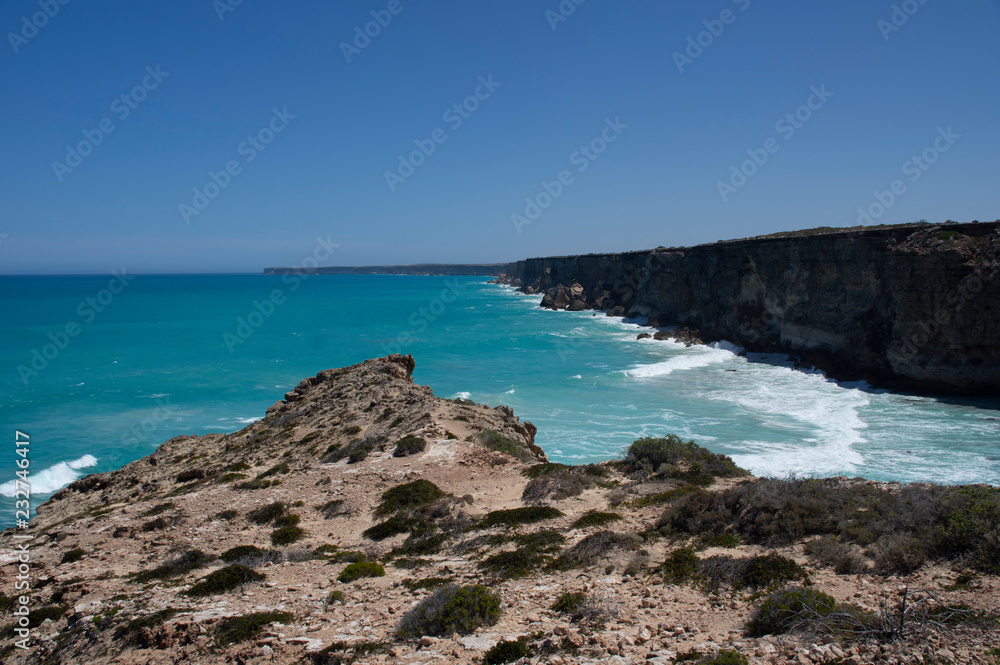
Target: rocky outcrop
(913,307)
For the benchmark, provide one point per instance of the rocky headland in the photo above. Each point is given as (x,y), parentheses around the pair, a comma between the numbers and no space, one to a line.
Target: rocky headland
(913,307)
(364,520)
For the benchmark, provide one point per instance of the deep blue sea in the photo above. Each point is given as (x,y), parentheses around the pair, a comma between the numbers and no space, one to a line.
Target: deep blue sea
(168,355)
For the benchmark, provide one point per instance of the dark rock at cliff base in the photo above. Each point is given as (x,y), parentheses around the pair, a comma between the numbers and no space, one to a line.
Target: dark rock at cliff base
(644,336)
(616,311)
(577,306)
(686,336)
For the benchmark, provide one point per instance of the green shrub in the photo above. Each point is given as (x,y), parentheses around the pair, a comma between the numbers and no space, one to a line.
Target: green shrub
(351,430)
(286,535)
(287,520)
(522,562)
(346,653)
(570,602)
(256,484)
(668,455)
(595,518)
(335,596)
(356,571)
(726,540)
(223,580)
(348,556)
(267,514)
(179,565)
(451,609)
(39,614)
(495,441)
(826,551)
(785,610)
(394,526)
(767,571)
(240,552)
(72,555)
(407,496)
(227,515)
(358,454)
(409,445)
(518,516)
(506,651)
(274,470)
(899,554)
(135,632)
(544,469)
(233,630)
(680,566)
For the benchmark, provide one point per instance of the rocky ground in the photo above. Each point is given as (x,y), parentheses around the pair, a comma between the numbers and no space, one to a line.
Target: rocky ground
(114,573)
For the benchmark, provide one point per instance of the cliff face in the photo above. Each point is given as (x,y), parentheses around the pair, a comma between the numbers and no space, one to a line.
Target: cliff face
(906,307)
(475,269)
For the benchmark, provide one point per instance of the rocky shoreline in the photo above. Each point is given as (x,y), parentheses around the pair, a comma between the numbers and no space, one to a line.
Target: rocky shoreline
(909,307)
(365,520)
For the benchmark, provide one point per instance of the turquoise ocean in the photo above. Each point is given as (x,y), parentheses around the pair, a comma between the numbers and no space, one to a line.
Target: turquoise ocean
(172,355)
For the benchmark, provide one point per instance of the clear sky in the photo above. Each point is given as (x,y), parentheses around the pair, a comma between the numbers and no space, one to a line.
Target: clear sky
(183,85)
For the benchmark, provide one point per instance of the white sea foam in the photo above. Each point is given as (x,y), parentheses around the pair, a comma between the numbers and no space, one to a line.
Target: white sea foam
(53,478)
(462,395)
(576,376)
(510,392)
(691,358)
(247,421)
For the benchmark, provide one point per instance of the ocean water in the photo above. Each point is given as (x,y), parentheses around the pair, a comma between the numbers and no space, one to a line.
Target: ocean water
(168,355)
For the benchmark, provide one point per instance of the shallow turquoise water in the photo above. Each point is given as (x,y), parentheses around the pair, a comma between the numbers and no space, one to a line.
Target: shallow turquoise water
(154,363)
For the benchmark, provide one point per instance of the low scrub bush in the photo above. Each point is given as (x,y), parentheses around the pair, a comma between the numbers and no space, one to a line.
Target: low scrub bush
(409,445)
(519,516)
(827,551)
(267,514)
(899,554)
(786,610)
(394,526)
(287,520)
(408,496)
(39,614)
(179,565)
(451,609)
(233,630)
(223,580)
(155,525)
(570,602)
(506,651)
(595,518)
(335,596)
(672,457)
(495,441)
(680,566)
(360,569)
(240,552)
(426,583)
(335,508)
(286,535)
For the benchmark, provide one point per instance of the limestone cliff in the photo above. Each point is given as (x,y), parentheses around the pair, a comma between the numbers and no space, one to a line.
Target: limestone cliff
(913,307)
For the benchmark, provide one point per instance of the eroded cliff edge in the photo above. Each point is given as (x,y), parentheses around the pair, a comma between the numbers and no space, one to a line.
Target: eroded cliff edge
(912,307)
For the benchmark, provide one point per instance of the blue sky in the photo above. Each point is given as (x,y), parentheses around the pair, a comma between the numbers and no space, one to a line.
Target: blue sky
(888,96)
